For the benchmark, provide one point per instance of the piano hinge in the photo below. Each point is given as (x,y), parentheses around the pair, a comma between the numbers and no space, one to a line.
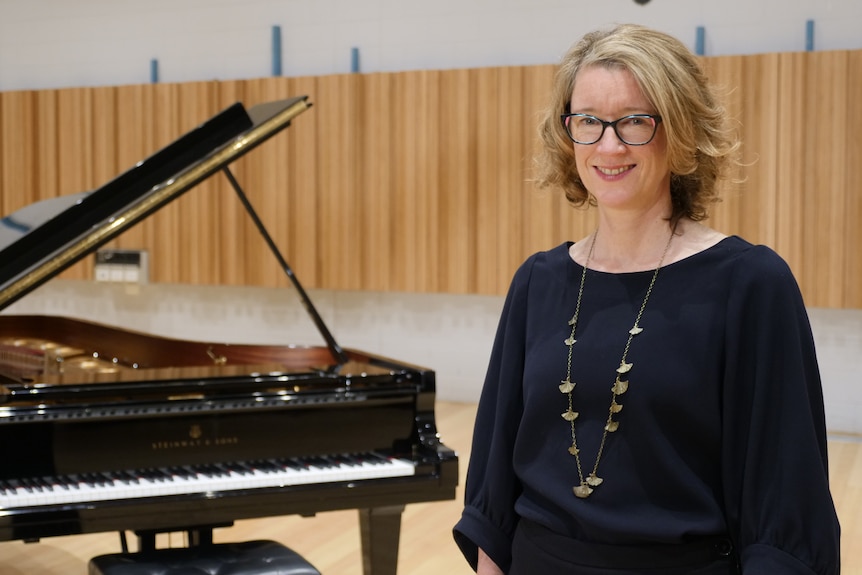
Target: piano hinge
(217,359)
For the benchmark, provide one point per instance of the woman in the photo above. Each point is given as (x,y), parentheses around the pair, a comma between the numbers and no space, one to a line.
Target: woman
(653,402)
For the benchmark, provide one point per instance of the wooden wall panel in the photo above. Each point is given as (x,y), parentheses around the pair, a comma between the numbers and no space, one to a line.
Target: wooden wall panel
(18,163)
(421,181)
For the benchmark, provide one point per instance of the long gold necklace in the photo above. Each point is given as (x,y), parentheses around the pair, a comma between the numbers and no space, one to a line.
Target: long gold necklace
(620,386)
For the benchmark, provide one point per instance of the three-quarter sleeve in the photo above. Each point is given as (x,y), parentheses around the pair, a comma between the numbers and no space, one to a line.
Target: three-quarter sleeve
(774,454)
(489,520)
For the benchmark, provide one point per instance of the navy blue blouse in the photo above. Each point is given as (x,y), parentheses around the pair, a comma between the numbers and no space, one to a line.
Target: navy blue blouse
(722,428)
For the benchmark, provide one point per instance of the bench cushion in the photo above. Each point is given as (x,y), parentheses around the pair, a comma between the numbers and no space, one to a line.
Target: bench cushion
(246,558)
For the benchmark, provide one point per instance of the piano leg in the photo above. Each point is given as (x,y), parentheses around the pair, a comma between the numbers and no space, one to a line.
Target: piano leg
(380,528)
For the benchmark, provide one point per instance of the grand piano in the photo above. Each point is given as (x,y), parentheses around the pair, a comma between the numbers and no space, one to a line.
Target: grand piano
(106,429)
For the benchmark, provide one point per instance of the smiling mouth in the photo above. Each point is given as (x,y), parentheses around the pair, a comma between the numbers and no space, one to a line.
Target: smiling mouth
(614,171)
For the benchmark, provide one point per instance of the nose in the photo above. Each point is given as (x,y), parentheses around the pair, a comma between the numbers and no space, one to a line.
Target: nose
(610,142)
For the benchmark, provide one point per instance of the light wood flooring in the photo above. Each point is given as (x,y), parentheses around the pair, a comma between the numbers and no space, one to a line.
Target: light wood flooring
(331,540)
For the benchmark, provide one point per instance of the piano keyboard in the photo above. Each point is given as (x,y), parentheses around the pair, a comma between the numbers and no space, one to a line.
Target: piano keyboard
(193,479)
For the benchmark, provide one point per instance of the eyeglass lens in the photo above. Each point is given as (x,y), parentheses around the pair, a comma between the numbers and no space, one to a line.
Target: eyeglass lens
(630,129)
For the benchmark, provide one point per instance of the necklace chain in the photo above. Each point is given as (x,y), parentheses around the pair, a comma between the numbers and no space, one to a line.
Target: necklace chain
(621,382)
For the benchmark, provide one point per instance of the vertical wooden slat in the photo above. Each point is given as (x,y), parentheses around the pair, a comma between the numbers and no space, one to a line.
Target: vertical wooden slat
(726,73)
(826,157)
(428,182)
(757,221)
(19,174)
(267,188)
(538,206)
(303,225)
(339,101)
(378,149)
(161,232)
(512,171)
(489,116)
(852,238)
(227,218)
(104,150)
(134,141)
(197,101)
(458,161)
(408,127)
(790,118)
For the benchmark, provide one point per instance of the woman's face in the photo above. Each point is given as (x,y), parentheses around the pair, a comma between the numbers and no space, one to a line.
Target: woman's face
(618,175)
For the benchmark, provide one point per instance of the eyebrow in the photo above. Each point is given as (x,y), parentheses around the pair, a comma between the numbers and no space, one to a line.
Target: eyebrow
(625,112)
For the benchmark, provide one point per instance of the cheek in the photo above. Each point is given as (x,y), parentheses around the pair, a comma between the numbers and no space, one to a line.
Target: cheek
(579,155)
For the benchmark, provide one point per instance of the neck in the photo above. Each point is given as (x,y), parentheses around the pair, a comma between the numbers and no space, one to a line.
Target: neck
(630,244)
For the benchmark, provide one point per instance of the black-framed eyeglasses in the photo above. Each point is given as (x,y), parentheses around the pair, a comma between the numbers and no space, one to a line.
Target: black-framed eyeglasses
(634,130)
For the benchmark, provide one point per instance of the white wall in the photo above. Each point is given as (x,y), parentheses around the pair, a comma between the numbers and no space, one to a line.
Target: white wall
(59,43)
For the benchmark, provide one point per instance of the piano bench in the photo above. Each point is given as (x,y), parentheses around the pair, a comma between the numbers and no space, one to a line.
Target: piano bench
(246,558)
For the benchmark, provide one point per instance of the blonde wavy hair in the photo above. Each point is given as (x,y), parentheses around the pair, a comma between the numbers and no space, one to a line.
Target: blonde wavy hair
(702,147)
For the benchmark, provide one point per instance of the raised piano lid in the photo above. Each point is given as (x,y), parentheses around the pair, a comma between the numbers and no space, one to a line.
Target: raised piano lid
(48,243)
(41,240)
(62,362)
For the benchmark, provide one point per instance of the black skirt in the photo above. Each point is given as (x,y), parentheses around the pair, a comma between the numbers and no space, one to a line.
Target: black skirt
(537,550)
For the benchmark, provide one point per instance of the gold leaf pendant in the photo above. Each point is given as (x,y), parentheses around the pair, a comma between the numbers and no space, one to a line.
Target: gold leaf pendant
(636,330)
(574,450)
(594,480)
(620,387)
(612,426)
(583,490)
(566,386)
(569,415)
(570,341)
(624,367)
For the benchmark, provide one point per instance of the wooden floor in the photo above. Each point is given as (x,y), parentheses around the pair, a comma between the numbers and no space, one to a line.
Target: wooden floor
(331,540)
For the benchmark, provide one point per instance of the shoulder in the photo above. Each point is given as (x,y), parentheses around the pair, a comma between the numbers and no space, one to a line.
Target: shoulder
(758,272)
(555,262)
(756,262)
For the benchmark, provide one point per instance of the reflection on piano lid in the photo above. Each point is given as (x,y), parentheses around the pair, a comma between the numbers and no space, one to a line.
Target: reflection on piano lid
(104,428)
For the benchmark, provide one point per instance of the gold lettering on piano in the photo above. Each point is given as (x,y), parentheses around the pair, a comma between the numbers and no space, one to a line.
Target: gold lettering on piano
(194,443)
(196,440)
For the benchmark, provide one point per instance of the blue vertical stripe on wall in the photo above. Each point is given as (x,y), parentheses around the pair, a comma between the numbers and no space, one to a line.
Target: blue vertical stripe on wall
(354,60)
(809,36)
(700,41)
(154,71)
(276,50)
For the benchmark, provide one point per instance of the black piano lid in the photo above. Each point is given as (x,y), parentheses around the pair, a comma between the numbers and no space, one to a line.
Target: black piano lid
(53,242)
